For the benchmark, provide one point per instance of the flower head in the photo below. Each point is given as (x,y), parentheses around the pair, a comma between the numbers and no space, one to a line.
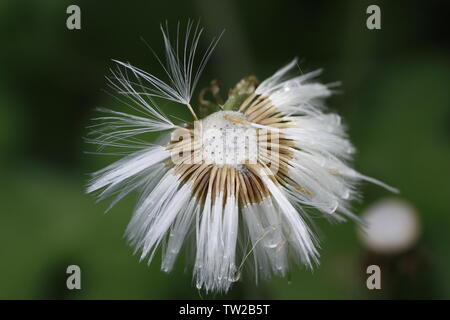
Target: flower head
(242,181)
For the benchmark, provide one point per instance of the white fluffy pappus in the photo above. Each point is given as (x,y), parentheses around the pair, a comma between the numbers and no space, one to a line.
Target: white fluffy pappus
(237,208)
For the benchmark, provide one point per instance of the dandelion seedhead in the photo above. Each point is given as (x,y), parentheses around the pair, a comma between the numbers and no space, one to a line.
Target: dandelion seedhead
(241,182)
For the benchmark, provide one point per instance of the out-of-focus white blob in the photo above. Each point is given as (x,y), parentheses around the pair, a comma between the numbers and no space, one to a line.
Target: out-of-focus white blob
(392,227)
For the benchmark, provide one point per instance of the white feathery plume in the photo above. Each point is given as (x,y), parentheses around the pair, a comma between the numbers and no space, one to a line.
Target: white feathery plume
(258,234)
(300,236)
(152,205)
(128,167)
(182,68)
(117,127)
(177,234)
(230,237)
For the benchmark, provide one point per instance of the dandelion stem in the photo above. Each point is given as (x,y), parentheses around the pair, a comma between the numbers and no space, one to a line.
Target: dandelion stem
(192,111)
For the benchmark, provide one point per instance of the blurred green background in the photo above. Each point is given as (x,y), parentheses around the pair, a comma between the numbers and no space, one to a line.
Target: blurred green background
(395,99)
